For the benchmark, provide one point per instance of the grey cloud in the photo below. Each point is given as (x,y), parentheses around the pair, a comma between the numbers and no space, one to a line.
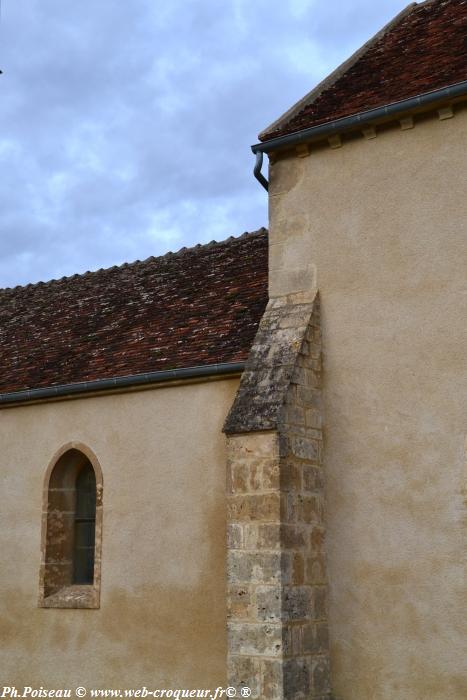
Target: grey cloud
(125,127)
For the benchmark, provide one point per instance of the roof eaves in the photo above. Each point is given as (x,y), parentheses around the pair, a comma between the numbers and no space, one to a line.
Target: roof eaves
(98,386)
(383,113)
(335,75)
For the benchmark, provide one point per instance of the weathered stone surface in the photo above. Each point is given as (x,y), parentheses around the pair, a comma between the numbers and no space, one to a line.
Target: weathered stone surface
(311,509)
(269,370)
(272,680)
(270,474)
(266,507)
(320,602)
(291,476)
(313,418)
(245,672)
(298,571)
(295,415)
(261,639)
(313,478)
(275,504)
(317,535)
(269,603)
(315,638)
(304,448)
(261,567)
(321,676)
(262,536)
(234,536)
(296,679)
(292,536)
(256,445)
(315,568)
(297,603)
(238,602)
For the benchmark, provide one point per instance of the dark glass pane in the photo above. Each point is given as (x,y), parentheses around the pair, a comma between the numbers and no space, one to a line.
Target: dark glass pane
(85,526)
(84,533)
(86,493)
(84,566)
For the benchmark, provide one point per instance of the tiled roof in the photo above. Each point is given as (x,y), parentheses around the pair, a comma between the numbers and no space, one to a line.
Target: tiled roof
(426,49)
(199,306)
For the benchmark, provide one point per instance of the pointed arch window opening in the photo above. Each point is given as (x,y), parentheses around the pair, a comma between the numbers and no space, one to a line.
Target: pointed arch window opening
(84,526)
(71,530)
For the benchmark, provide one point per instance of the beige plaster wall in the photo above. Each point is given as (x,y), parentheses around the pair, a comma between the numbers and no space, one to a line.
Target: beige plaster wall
(162,618)
(380,227)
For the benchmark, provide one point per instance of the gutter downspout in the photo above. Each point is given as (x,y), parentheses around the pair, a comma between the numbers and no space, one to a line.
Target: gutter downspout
(257,170)
(346,123)
(70,390)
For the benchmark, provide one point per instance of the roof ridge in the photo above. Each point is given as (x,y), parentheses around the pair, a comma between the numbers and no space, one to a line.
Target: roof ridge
(429,2)
(134,263)
(337,73)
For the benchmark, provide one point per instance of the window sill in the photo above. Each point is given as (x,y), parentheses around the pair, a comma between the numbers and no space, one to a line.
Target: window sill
(76,596)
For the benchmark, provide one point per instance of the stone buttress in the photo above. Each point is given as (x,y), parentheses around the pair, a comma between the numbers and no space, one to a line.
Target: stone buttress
(277,609)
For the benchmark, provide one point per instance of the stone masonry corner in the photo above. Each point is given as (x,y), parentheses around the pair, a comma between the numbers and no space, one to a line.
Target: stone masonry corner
(276,579)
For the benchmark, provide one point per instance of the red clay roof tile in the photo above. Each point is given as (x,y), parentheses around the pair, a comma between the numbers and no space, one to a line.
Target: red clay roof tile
(196,307)
(424,51)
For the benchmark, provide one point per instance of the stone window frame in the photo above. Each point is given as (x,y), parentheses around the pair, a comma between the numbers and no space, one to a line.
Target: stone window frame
(71,595)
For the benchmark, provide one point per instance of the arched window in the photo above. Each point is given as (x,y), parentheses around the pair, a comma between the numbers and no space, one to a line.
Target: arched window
(85,526)
(71,530)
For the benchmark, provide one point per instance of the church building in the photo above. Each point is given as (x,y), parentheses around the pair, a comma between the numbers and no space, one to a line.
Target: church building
(243,465)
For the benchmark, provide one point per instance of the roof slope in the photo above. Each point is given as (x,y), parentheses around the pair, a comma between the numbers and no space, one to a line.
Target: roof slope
(424,49)
(196,307)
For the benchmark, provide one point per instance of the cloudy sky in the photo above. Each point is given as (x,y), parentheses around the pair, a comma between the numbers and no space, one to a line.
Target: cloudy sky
(125,127)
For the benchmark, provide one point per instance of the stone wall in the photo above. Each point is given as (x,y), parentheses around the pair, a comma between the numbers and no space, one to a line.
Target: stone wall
(161,622)
(278,633)
(379,226)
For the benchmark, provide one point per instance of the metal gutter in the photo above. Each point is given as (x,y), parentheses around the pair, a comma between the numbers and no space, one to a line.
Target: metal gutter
(133,380)
(355,120)
(257,170)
